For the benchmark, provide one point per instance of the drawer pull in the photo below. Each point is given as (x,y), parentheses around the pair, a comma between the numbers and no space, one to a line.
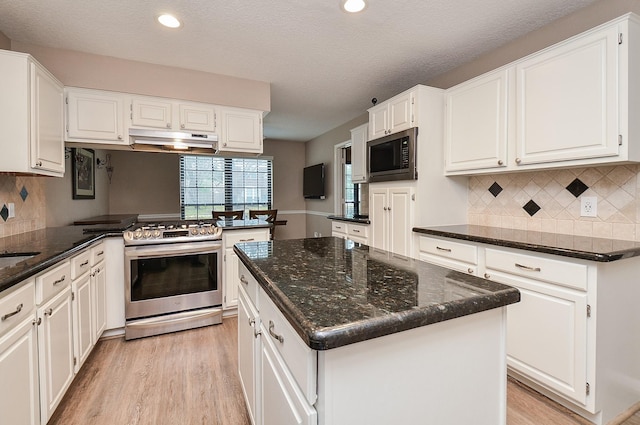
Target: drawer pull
(13,313)
(487,276)
(252,321)
(247,240)
(527,268)
(244,280)
(100,253)
(356,231)
(84,264)
(443,249)
(48,312)
(37,322)
(273,334)
(470,270)
(59,280)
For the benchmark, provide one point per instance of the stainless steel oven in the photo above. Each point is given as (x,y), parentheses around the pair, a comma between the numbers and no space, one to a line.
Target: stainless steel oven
(172,278)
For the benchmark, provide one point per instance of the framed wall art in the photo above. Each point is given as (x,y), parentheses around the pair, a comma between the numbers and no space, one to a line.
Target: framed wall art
(83,173)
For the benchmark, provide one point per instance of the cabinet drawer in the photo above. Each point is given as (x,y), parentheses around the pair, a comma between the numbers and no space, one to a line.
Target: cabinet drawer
(17,305)
(248,283)
(237,236)
(358,231)
(563,273)
(339,226)
(80,264)
(449,249)
(97,253)
(53,281)
(299,358)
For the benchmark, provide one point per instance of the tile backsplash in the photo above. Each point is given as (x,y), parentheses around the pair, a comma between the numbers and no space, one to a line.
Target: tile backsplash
(27,193)
(549,201)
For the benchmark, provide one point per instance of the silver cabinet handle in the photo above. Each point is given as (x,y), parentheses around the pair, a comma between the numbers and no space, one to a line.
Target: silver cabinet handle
(39,163)
(59,280)
(37,322)
(13,313)
(247,240)
(84,264)
(355,231)
(244,280)
(443,249)
(48,312)
(181,125)
(385,208)
(518,160)
(500,162)
(487,275)
(100,253)
(119,137)
(273,334)
(527,268)
(251,321)
(470,270)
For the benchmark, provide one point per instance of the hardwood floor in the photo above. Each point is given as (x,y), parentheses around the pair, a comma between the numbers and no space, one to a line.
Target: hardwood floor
(190,377)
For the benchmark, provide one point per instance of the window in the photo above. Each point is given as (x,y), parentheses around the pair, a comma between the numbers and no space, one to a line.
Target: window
(350,191)
(209,183)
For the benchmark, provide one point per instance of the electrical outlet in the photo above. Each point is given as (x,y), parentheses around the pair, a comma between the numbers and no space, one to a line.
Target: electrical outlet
(12,209)
(588,206)
(315,234)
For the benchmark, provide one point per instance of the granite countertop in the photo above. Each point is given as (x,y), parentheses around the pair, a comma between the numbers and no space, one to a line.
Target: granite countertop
(582,247)
(53,245)
(242,224)
(335,292)
(350,218)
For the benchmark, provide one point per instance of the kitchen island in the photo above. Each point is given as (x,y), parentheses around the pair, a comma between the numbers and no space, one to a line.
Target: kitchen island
(332,332)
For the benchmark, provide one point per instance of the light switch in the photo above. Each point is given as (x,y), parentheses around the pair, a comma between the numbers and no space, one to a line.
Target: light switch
(12,209)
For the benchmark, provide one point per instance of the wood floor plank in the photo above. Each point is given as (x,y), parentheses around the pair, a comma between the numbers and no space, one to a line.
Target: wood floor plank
(190,378)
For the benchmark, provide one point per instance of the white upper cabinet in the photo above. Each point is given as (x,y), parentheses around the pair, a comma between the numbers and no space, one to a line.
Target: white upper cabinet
(241,130)
(169,114)
(567,100)
(568,105)
(32,107)
(95,116)
(393,115)
(476,123)
(359,138)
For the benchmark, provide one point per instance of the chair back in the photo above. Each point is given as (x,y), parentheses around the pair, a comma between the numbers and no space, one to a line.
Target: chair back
(267,215)
(228,215)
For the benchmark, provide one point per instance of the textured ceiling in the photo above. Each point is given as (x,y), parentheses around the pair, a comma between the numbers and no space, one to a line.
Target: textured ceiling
(324,65)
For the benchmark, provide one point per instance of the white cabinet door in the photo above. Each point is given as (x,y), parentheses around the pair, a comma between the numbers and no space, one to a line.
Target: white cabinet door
(99,299)
(400,112)
(399,210)
(230,277)
(359,137)
(547,335)
(476,123)
(55,351)
(197,117)
(95,115)
(282,403)
(47,121)
(241,130)
(151,113)
(378,121)
(19,392)
(248,351)
(82,319)
(567,101)
(378,211)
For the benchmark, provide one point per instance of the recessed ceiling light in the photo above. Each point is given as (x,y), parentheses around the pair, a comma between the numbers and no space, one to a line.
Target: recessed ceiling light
(353,6)
(169,21)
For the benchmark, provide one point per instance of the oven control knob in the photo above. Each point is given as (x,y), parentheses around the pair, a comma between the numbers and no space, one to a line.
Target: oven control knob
(137,234)
(156,233)
(194,231)
(147,234)
(203,231)
(129,234)
(210,230)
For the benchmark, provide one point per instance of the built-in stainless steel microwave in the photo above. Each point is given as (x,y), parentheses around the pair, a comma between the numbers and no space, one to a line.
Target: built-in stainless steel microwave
(393,157)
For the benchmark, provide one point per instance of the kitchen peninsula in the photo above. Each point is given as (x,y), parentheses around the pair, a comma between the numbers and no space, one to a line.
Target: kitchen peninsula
(332,332)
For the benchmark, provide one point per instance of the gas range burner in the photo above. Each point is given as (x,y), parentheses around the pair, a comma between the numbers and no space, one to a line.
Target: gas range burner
(170,232)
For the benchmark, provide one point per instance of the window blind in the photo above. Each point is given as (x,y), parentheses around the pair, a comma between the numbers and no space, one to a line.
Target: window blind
(210,183)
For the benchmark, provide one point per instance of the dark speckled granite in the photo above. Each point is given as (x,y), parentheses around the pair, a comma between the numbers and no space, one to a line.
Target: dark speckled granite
(54,244)
(335,292)
(349,219)
(583,247)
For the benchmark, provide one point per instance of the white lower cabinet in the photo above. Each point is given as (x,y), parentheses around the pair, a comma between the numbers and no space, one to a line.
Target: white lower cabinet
(391,218)
(248,351)
(230,276)
(82,296)
(356,232)
(571,335)
(55,351)
(19,392)
(99,300)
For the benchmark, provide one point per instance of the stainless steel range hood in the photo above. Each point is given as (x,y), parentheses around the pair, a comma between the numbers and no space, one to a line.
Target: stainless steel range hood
(174,140)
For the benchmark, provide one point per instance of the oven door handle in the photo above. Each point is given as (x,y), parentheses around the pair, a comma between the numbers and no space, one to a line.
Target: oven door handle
(155,251)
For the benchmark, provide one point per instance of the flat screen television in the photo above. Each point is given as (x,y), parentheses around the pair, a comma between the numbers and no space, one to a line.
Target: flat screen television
(313,182)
